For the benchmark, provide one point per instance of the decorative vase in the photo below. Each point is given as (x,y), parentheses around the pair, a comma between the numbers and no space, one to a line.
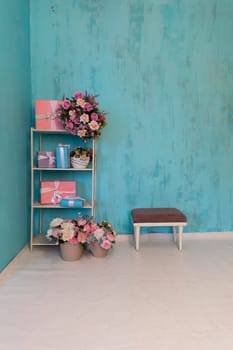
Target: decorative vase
(98,251)
(79,163)
(71,252)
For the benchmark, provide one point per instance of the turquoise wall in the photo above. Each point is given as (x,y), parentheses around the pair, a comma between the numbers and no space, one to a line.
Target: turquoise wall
(163,70)
(15,102)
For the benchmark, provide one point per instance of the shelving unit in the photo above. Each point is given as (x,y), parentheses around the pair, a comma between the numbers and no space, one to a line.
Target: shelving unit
(37,237)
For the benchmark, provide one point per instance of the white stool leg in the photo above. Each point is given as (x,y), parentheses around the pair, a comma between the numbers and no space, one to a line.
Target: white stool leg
(136,236)
(180,237)
(174,233)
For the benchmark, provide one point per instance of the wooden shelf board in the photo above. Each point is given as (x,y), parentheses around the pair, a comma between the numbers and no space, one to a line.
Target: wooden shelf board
(40,239)
(63,169)
(51,131)
(87,205)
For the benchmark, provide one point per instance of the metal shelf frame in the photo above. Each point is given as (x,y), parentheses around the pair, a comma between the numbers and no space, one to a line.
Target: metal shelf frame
(39,239)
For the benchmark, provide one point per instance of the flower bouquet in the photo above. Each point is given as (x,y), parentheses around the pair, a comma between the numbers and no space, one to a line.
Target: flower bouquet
(101,238)
(69,237)
(81,116)
(73,235)
(80,157)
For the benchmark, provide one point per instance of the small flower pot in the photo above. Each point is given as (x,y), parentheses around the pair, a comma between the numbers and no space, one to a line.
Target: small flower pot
(98,251)
(79,163)
(71,252)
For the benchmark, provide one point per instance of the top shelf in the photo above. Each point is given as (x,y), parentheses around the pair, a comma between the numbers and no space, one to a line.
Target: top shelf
(51,131)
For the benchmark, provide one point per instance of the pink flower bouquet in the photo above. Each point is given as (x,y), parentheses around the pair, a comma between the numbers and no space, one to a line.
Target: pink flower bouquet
(70,230)
(82,230)
(103,234)
(81,116)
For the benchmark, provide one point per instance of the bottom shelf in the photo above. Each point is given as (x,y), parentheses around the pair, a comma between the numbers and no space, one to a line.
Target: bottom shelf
(40,239)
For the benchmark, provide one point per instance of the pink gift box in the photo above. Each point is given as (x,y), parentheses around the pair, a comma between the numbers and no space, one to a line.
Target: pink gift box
(51,192)
(46,115)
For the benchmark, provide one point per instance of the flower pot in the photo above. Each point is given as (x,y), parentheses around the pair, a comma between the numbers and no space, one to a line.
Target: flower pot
(98,251)
(79,163)
(71,252)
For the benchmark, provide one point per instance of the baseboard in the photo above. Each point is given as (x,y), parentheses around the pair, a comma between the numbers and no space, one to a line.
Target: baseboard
(188,235)
(11,264)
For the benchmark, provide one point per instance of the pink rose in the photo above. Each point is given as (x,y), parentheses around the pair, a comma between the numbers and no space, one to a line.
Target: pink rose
(77,121)
(87,107)
(78,95)
(82,237)
(73,240)
(56,233)
(69,125)
(93,125)
(103,117)
(82,222)
(87,228)
(66,104)
(94,116)
(94,227)
(110,237)
(106,244)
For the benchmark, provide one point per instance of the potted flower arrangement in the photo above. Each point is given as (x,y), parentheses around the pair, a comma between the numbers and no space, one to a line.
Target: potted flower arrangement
(81,116)
(69,237)
(73,235)
(101,238)
(80,157)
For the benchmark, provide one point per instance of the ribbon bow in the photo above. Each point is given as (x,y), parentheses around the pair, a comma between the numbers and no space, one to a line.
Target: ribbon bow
(50,115)
(57,194)
(49,156)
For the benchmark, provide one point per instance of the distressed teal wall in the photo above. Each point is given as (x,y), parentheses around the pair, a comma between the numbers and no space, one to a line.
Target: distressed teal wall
(164,71)
(15,102)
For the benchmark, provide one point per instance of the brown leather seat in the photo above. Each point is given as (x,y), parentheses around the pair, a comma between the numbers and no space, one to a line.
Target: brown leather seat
(157,215)
(151,217)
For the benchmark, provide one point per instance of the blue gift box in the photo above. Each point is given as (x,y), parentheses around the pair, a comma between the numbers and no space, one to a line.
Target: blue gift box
(72,202)
(63,156)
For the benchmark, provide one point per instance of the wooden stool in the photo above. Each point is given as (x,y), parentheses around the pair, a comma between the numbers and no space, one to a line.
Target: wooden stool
(151,217)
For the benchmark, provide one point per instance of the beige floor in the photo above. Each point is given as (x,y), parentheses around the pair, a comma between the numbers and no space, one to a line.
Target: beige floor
(157,298)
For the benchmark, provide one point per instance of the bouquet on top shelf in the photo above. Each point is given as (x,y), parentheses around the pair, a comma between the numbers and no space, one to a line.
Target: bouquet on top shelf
(81,116)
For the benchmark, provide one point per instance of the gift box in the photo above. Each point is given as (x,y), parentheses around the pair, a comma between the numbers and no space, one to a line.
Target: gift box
(63,156)
(46,115)
(75,202)
(51,192)
(46,159)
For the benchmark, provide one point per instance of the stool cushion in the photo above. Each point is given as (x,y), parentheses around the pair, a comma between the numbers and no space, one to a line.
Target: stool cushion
(156,215)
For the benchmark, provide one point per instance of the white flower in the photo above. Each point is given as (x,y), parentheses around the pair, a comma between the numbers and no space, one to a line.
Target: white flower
(67,235)
(67,226)
(56,222)
(81,133)
(80,102)
(72,114)
(99,233)
(84,118)
(49,234)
